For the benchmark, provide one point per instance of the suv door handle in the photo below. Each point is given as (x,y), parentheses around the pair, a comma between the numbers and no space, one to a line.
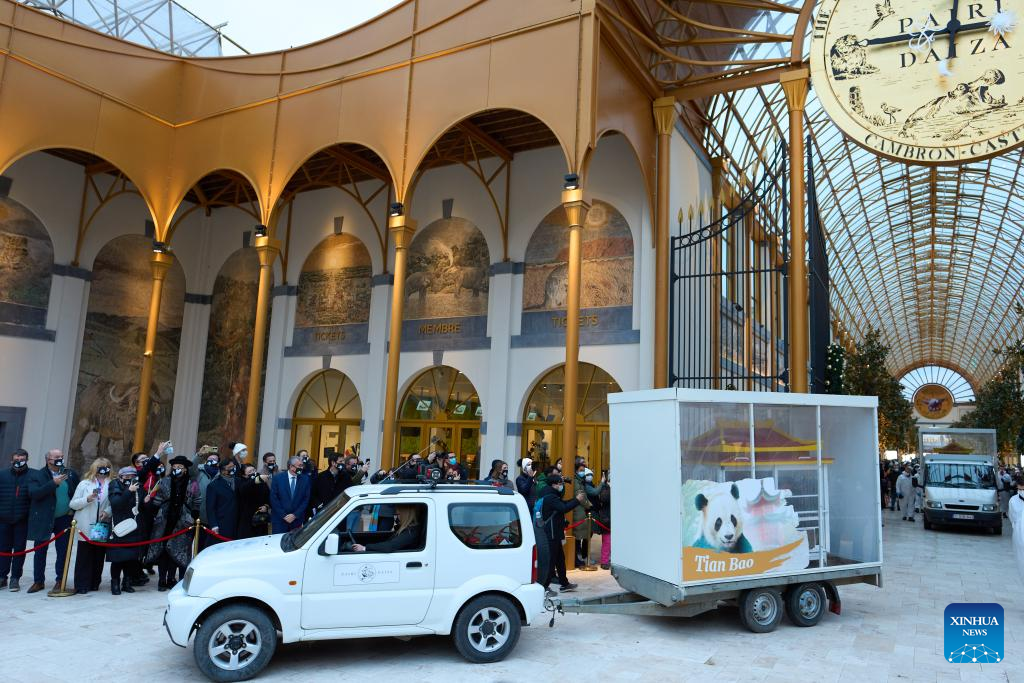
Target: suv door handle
(413,565)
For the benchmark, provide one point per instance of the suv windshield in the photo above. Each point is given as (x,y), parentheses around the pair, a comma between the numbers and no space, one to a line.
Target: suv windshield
(961,476)
(299,537)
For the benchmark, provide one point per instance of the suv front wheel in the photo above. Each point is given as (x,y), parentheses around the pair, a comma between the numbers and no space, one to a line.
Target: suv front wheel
(234,643)
(487,629)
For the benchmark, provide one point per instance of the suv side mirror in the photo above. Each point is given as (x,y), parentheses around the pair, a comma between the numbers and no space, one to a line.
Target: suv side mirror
(330,546)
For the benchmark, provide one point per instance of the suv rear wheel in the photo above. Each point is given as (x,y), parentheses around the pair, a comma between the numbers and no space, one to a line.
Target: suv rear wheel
(234,643)
(487,629)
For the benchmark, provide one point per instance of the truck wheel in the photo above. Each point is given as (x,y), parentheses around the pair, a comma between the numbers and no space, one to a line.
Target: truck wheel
(234,643)
(486,629)
(805,604)
(761,609)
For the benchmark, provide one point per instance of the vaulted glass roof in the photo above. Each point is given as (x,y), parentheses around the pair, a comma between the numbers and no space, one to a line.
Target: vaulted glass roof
(930,256)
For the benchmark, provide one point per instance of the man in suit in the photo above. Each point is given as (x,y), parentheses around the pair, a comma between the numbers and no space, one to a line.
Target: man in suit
(222,503)
(289,496)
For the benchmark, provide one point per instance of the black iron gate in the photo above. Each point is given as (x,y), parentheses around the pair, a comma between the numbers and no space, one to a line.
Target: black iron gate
(728,309)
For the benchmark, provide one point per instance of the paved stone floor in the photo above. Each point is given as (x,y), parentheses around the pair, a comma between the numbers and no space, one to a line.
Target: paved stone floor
(888,634)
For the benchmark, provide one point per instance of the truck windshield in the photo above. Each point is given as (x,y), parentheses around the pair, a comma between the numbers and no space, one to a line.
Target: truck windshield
(298,537)
(961,476)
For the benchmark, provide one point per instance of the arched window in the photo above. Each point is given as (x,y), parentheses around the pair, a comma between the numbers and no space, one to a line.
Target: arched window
(327,417)
(542,421)
(26,264)
(442,405)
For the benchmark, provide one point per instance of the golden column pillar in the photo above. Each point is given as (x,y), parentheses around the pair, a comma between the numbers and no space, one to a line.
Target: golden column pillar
(401,229)
(267,248)
(664,119)
(161,263)
(794,85)
(576,212)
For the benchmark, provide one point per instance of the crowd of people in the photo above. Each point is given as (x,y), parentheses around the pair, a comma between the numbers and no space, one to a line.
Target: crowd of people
(140,519)
(902,487)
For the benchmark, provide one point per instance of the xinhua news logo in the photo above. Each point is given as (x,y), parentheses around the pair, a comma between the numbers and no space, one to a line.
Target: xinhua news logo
(973,633)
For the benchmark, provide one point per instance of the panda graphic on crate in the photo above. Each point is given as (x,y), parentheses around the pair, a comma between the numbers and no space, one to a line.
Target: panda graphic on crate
(722,521)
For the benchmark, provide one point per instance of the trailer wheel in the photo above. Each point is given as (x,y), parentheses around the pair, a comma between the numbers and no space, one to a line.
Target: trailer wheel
(761,609)
(805,604)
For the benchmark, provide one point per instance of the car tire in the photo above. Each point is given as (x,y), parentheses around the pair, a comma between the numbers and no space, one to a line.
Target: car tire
(805,604)
(234,643)
(998,531)
(761,609)
(487,629)
(928,525)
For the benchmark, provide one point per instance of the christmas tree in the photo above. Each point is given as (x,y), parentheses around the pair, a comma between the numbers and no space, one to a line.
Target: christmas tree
(835,363)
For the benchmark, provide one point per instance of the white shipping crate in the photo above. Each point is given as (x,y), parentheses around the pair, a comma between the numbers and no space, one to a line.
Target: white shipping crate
(718,486)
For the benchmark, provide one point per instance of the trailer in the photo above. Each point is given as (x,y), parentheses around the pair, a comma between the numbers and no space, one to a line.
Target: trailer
(768,501)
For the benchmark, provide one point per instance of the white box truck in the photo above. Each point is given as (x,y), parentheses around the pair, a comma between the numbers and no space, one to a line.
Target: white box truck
(960,478)
(766,500)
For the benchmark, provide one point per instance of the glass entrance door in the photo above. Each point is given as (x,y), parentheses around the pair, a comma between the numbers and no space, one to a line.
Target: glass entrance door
(321,438)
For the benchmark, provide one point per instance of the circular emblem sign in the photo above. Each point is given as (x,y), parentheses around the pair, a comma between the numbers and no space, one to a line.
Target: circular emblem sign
(922,82)
(933,401)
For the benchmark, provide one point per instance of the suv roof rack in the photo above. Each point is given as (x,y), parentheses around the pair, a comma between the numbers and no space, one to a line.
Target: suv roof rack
(453,488)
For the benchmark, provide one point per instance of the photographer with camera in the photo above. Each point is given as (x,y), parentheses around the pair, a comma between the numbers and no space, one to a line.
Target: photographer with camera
(308,466)
(50,489)
(353,472)
(269,467)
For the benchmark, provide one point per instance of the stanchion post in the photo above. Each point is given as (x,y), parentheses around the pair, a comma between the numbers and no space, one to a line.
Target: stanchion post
(587,567)
(195,538)
(63,591)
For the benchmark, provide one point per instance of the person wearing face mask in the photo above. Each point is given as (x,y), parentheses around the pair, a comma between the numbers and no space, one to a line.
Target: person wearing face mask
(222,504)
(269,467)
(454,472)
(253,504)
(583,482)
(551,526)
(603,514)
(289,496)
(91,507)
(498,476)
(526,482)
(1016,515)
(170,503)
(14,507)
(328,483)
(51,489)
(352,473)
(308,466)
(150,469)
(207,473)
(125,501)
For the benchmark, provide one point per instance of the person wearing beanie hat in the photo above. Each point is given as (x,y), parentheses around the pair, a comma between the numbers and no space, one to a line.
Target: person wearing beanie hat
(550,525)
(241,452)
(124,504)
(526,482)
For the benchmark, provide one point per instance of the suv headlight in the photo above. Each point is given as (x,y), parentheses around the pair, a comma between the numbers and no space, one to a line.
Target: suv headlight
(988,508)
(188,579)
(934,504)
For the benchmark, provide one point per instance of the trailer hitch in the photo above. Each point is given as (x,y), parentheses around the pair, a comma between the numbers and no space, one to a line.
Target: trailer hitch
(555,607)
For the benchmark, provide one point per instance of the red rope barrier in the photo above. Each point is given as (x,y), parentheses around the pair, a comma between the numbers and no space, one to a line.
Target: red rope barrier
(135,543)
(37,546)
(601,525)
(215,534)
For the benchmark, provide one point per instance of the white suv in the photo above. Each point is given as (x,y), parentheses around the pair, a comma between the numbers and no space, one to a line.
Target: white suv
(383,560)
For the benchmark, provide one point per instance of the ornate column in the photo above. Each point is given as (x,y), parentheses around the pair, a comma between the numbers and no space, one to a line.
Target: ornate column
(401,229)
(161,263)
(267,248)
(576,212)
(794,84)
(664,119)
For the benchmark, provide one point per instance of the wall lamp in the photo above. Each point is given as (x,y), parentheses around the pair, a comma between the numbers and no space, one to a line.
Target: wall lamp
(572,182)
(396,209)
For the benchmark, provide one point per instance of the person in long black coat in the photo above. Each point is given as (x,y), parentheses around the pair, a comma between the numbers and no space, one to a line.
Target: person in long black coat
(253,497)
(124,503)
(222,503)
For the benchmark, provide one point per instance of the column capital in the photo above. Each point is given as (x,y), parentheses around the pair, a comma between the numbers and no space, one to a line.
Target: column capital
(161,263)
(267,248)
(401,229)
(665,114)
(575,207)
(794,85)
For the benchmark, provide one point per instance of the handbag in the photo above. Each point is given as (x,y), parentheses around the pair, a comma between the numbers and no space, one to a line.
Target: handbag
(99,531)
(261,518)
(128,524)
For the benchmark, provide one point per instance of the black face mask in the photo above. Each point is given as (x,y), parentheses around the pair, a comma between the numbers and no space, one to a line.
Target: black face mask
(127,482)
(160,471)
(177,472)
(19,465)
(271,467)
(103,470)
(254,476)
(58,463)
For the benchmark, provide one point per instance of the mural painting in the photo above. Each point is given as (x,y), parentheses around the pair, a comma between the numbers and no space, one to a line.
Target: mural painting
(448,271)
(229,349)
(607,278)
(606,288)
(26,263)
(107,396)
(333,303)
